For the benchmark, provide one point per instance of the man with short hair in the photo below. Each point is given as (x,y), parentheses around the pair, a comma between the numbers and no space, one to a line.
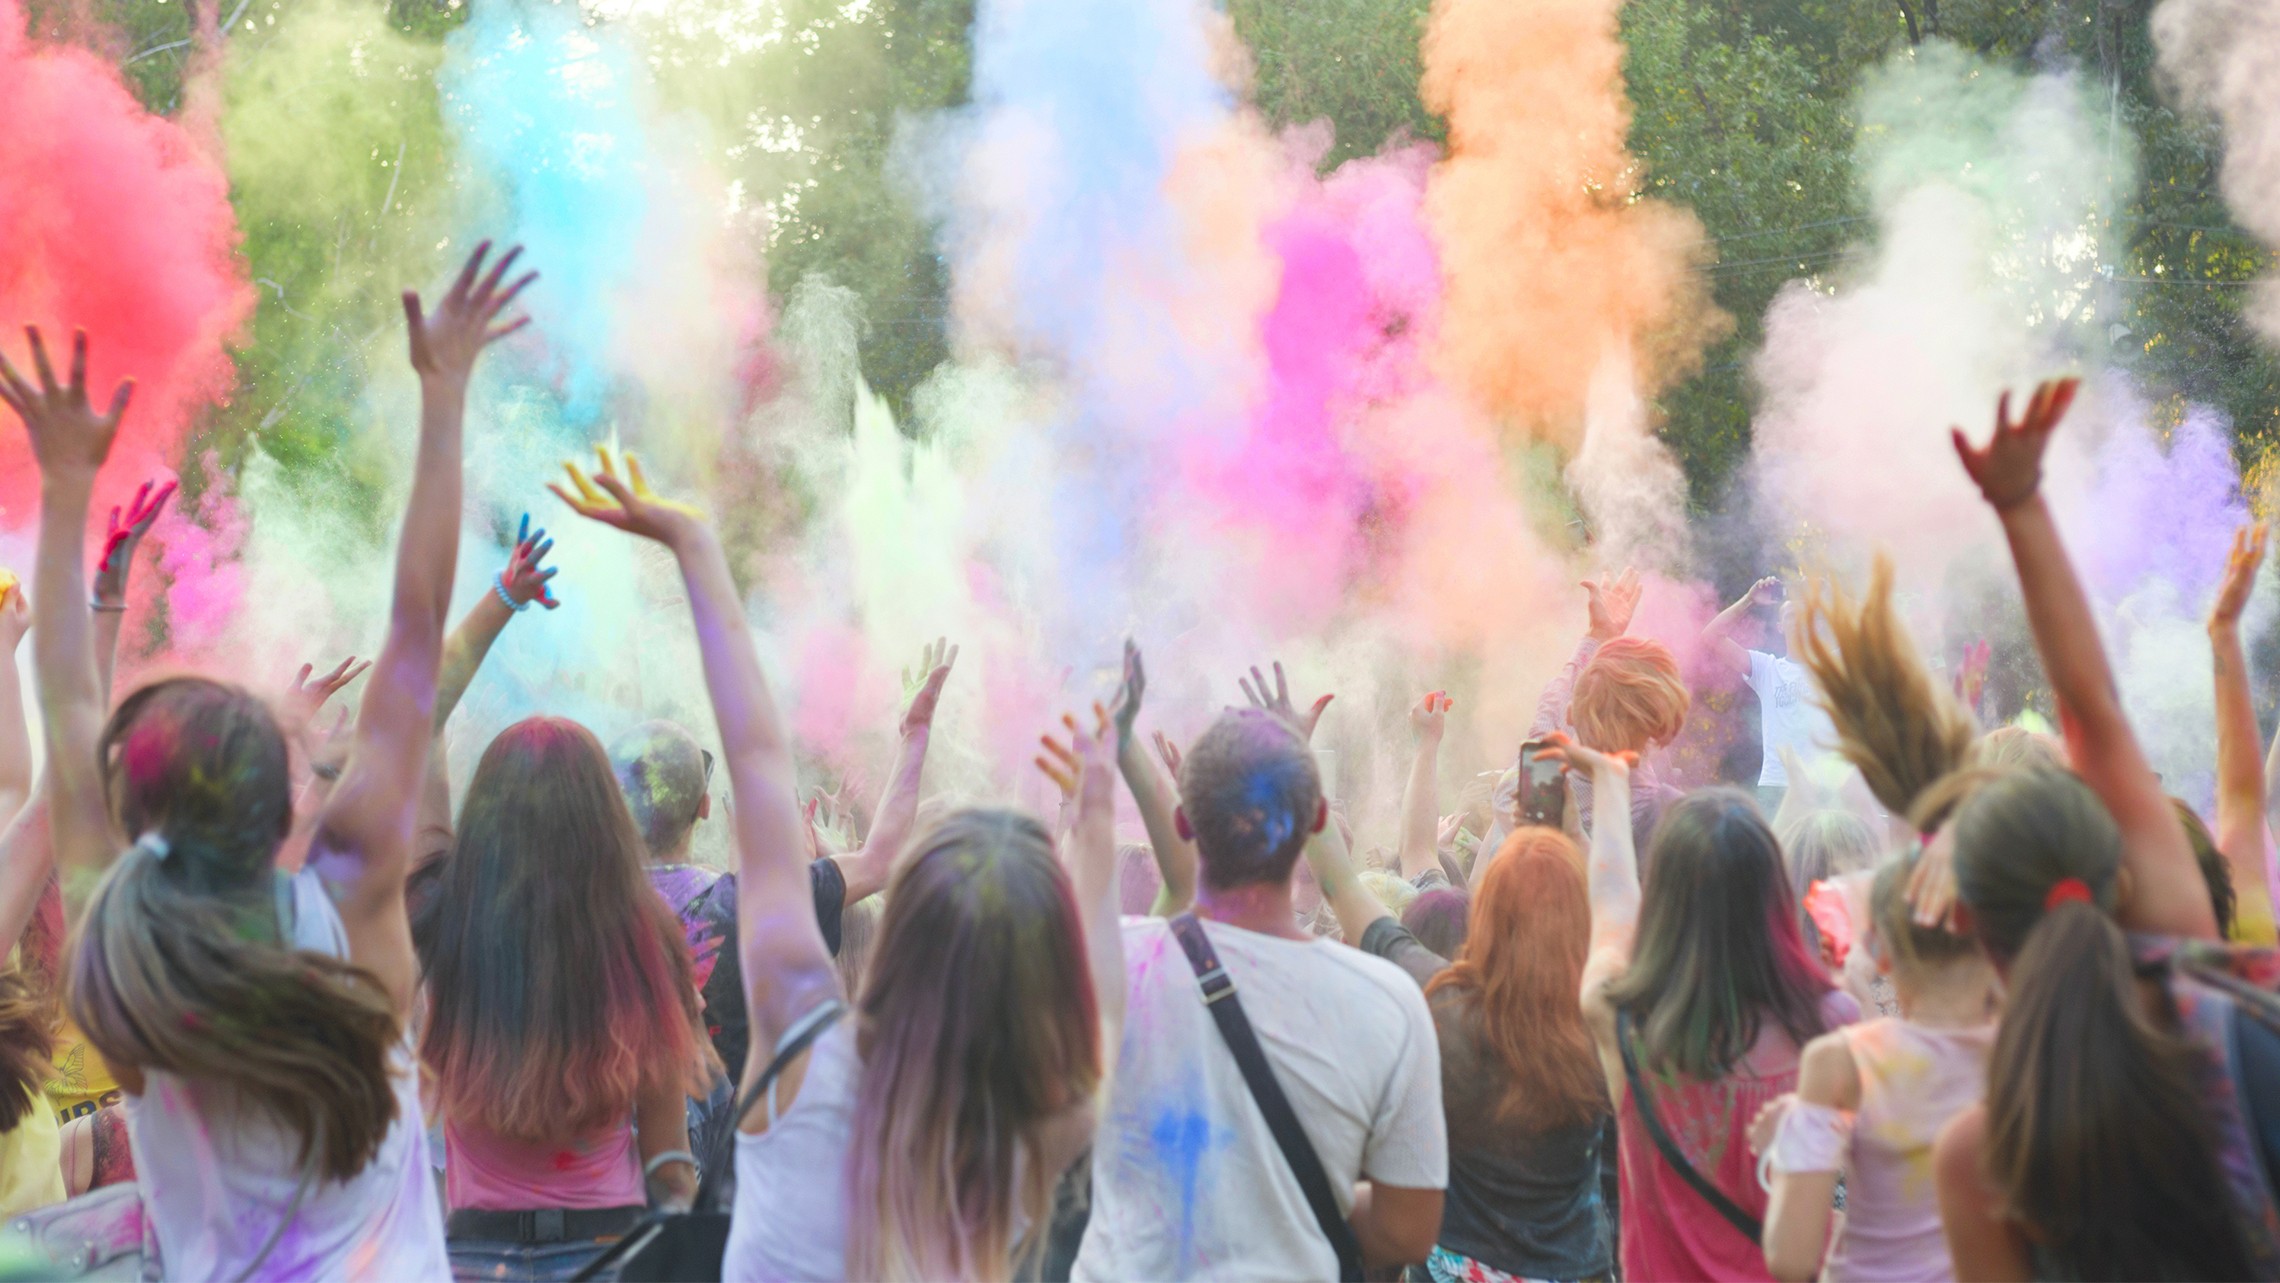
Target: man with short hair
(1188,1180)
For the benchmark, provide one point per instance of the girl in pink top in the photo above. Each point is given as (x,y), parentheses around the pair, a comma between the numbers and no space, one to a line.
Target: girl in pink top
(1705,986)
(1871,1100)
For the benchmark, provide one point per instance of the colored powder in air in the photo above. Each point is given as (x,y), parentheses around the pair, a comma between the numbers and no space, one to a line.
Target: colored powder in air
(1550,257)
(117,222)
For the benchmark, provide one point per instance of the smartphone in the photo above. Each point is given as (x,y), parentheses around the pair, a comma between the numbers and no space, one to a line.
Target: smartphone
(1543,793)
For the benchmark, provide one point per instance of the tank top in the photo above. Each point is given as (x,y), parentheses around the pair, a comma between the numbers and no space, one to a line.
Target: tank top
(790,1220)
(1913,1079)
(219,1179)
(1668,1230)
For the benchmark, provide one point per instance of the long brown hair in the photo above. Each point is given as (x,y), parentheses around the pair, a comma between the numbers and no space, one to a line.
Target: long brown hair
(976,1025)
(27,1040)
(2096,1131)
(1520,971)
(182,966)
(559,986)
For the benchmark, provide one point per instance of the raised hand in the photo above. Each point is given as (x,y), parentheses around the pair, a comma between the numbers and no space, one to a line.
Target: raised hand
(1168,753)
(1765,592)
(1277,700)
(1063,763)
(306,697)
(121,536)
(446,342)
(68,436)
(2008,470)
(628,504)
(2240,576)
(1429,717)
(1124,708)
(1613,600)
(1590,763)
(15,612)
(526,578)
(922,686)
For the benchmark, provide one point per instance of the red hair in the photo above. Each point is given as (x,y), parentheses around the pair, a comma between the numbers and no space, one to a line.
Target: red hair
(1520,972)
(1629,697)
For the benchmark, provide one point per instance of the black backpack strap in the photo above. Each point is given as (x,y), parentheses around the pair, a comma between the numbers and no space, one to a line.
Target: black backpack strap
(1711,1194)
(1219,998)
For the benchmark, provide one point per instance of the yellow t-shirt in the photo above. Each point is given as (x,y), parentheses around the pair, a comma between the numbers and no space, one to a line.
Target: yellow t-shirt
(31,1163)
(82,1082)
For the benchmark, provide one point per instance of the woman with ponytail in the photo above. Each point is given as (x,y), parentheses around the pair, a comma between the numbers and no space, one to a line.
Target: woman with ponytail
(2132,1081)
(254,1020)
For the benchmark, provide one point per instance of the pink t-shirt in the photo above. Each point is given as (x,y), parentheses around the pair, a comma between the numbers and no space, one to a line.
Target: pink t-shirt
(489,1172)
(1671,1232)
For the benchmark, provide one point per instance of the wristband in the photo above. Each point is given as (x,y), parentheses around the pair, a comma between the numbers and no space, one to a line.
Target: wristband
(97,603)
(499,586)
(668,1158)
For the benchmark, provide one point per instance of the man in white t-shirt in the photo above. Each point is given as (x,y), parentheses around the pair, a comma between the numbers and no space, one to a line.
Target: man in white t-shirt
(1187,1179)
(1789,710)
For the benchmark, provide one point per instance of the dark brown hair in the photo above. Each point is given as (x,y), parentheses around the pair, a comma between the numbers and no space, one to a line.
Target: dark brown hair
(2096,1130)
(559,986)
(182,966)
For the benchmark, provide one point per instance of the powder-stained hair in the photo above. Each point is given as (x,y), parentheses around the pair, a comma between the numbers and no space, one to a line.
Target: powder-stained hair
(27,1040)
(1392,890)
(1629,697)
(1718,952)
(1519,973)
(977,1025)
(1825,844)
(2098,1130)
(1251,792)
(1908,944)
(182,965)
(1900,727)
(559,983)
(662,772)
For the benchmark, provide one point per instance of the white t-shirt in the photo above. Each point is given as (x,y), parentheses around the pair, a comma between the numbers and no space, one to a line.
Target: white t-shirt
(1789,716)
(217,1178)
(1187,1180)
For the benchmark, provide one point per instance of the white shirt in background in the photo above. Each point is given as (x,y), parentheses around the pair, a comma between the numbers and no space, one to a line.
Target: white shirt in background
(1790,716)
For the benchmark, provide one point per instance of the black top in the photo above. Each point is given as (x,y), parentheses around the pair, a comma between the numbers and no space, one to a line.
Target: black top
(1523,1201)
(706,907)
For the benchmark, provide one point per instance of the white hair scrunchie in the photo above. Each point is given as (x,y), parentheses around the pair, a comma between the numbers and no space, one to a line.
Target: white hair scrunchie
(154,845)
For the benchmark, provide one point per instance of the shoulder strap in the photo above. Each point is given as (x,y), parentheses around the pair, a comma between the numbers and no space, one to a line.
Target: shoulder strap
(1219,998)
(1711,1194)
(797,1039)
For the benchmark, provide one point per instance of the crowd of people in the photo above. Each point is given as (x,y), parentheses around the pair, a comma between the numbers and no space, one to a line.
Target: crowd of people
(304,1019)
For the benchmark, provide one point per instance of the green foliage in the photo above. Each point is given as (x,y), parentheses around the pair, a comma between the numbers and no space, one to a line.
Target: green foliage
(1354,63)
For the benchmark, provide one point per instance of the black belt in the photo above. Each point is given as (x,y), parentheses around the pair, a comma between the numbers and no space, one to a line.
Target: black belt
(545,1225)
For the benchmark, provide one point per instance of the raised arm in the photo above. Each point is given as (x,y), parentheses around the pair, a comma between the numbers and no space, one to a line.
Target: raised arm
(1610,603)
(70,441)
(1611,877)
(15,733)
(363,844)
(2167,894)
(1420,803)
(2242,833)
(787,970)
(107,597)
(866,871)
(522,584)
(1719,632)
(1333,867)
(1157,797)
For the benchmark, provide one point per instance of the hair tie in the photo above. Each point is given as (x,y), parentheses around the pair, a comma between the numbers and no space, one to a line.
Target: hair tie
(153,844)
(2067,890)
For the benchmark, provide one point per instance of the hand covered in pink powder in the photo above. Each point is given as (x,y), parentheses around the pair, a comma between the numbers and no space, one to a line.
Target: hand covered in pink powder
(2240,576)
(1277,700)
(121,536)
(446,343)
(525,578)
(1429,717)
(1613,600)
(68,437)
(923,686)
(629,504)
(2008,470)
